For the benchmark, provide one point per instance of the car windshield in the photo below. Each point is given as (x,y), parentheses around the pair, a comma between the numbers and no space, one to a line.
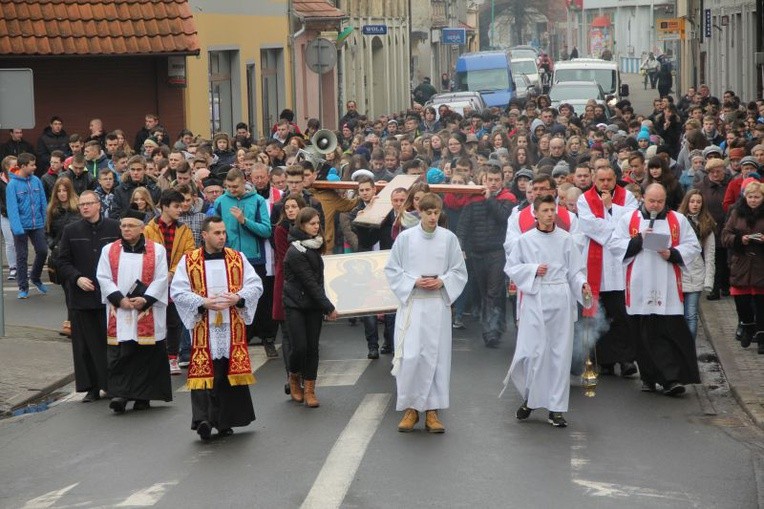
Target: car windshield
(564,92)
(524,67)
(483,80)
(603,77)
(523,53)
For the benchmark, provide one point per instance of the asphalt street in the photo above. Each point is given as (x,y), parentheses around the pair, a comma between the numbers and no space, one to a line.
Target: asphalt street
(622,448)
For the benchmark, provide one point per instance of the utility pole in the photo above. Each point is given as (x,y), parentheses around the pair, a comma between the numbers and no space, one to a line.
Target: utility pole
(493,12)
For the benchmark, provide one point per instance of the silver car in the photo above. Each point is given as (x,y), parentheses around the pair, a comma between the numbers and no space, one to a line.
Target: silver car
(459,102)
(527,67)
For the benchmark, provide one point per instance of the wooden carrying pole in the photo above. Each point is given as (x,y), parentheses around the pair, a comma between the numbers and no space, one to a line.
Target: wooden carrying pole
(376,212)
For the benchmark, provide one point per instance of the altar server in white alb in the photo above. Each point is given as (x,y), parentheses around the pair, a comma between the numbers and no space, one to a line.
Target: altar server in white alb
(426,271)
(654,298)
(216,291)
(132,275)
(548,268)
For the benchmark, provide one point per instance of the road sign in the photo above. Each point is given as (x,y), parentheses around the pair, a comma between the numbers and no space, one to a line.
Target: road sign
(670,29)
(16,99)
(321,55)
(707,23)
(374,30)
(453,36)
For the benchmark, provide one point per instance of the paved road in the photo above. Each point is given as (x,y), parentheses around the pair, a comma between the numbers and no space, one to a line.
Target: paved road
(622,449)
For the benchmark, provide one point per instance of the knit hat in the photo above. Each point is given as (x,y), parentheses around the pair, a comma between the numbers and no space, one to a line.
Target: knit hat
(561,169)
(711,149)
(150,142)
(644,134)
(332,175)
(524,173)
(359,173)
(749,160)
(737,153)
(612,128)
(435,176)
(651,151)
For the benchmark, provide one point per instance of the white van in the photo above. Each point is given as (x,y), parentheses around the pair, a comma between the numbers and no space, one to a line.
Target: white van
(604,72)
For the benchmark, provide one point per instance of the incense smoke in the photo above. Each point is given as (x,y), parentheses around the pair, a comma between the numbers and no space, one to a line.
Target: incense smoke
(587,330)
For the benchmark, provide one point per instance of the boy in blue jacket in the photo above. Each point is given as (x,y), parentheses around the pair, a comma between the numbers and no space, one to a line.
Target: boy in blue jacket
(25,197)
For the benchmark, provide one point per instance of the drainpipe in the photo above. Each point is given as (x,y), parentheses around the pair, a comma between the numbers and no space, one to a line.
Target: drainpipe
(292,38)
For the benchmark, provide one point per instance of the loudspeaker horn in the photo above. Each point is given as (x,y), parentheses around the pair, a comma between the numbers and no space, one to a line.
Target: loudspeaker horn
(325,141)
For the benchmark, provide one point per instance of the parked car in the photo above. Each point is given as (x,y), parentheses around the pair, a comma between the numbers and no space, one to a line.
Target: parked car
(523,87)
(577,94)
(487,72)
(527,67)
(604,72)
(458,102)
(523,51)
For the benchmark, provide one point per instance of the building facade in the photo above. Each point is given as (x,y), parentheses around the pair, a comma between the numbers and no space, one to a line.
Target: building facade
(374,68)
(242,72)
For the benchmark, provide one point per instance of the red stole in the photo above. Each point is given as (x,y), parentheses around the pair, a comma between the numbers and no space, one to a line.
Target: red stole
(674,229)
(146,334)
(594,254)
(201,371)
(527,220)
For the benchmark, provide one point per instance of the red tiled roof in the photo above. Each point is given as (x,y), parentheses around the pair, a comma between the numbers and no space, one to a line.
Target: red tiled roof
(317,9)
(96,27)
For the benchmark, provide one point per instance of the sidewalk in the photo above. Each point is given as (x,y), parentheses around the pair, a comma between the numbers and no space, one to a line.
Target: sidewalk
(744,368)
(33,363)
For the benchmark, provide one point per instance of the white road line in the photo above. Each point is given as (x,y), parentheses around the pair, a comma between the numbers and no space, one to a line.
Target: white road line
(623,491)
(339,469)
(49,499)
(340,373)
(147,497)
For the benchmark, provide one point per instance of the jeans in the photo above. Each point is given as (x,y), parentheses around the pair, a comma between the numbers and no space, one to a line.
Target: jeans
(40,246)
(691,311)
(489,280)
(10,248)
(184,354)
(372,334)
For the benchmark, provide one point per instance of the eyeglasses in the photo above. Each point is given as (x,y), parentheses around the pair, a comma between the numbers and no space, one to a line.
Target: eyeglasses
(87,204)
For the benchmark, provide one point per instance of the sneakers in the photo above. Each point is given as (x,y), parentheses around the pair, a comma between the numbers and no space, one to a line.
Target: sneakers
(270,350)
(373,353)
(183,364)
(204,430)
(40,287)
(118,405)
(23,294)
(648,387)
(174,367)
(673,389)
(458,324)
(557,420)
(12,274)
(628,369)
(386,349)
(524,411)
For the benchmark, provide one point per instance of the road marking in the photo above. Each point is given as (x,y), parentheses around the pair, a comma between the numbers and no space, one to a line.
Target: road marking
(147,497)
(339,373)
(257,358)
(611,490)
(340,467)
(49,499)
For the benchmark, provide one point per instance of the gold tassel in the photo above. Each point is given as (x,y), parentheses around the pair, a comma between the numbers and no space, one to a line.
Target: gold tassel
(218,319)
(199,383)
(243,379)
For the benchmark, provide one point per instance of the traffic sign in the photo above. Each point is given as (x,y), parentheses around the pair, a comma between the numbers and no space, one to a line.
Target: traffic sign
(670,29)
(453,36)
(321,55)
(374,30)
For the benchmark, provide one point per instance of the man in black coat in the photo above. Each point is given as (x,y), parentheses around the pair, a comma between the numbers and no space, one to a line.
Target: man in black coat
(52,138)
(134,177)
(16,145)
(79,250)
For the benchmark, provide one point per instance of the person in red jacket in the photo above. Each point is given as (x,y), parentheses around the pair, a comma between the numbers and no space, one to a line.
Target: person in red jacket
(748,165)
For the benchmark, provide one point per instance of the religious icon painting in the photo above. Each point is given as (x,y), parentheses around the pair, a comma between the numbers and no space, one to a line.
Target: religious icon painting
(357,285)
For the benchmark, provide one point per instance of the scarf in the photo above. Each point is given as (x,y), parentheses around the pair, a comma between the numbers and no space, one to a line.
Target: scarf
(303,245)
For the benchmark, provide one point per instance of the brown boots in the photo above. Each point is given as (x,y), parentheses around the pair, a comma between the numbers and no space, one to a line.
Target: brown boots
(410,418)
(310,394)
(432,423)
(295,387)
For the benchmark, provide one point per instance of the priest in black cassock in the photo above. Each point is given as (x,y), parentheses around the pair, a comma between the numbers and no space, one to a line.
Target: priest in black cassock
(132,275)
(216,291)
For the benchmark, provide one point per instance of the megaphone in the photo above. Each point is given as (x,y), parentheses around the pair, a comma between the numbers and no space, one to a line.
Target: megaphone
(324,141)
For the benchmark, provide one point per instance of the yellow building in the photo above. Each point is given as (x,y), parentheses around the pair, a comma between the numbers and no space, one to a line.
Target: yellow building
(243,71)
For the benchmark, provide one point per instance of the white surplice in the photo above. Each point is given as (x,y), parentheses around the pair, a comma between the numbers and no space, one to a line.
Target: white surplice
(600,229)
(652,288)
(540,368)
(130,269)
(187,302)
(422,362)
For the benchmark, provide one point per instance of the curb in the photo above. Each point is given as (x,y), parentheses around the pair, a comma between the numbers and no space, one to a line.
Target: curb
(742,391)
(19,402)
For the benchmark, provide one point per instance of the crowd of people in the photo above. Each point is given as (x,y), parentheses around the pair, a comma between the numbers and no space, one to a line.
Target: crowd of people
(637,215)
